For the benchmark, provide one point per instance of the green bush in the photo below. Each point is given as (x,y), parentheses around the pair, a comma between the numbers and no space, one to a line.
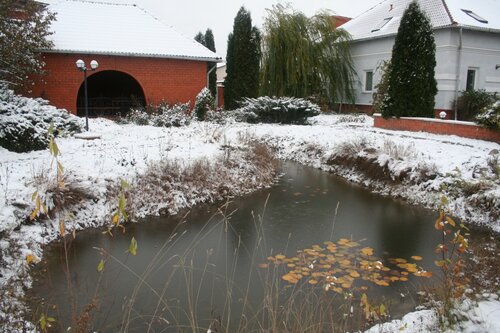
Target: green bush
(284,110)
(471,102)
(489,117)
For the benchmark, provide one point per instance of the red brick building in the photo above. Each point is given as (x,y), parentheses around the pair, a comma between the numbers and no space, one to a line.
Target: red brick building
(141,60)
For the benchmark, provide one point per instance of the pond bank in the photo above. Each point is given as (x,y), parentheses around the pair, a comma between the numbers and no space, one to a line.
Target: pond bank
(127,151)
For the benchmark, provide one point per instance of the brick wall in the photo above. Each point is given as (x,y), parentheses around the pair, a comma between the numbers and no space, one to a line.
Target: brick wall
(172,80)
(437,126)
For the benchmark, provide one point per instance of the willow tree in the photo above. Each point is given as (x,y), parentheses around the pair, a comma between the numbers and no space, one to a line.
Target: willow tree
(305,56)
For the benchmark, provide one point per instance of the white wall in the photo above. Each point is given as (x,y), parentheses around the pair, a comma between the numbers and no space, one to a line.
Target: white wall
(480,49)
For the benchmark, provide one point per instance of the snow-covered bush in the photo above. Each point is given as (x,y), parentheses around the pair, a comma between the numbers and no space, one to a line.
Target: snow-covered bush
(283,110)
(163,115)
(138,116)
(171,116)
(204,103)
(24,122)
(489,117)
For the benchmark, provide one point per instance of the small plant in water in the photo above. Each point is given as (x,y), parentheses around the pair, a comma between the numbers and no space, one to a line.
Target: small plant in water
(451,250)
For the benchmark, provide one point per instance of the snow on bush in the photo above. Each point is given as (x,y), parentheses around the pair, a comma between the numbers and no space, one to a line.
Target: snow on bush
(24,122)
(283,110)
(164,115)
(490,117)
(204,103)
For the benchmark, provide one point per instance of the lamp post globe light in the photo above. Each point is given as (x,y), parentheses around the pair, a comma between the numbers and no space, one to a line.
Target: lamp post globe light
(80,65)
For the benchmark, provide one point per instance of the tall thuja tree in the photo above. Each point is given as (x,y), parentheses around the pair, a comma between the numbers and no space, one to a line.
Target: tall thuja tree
(210,44)
(24,28)
(242,61)
(208,41)
(305,56)
(412,84)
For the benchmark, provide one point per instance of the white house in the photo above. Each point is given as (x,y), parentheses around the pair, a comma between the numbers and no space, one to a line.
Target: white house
(467,35)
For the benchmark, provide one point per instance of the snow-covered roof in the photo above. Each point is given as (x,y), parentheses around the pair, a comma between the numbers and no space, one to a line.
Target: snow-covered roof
(118,29)
(383,19)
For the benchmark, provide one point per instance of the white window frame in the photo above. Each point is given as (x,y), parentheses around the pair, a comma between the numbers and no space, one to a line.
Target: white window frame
(365,81)
(382,24)
(476,74)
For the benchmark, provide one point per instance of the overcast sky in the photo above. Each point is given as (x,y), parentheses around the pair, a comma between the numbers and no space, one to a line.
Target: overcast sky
(191,16)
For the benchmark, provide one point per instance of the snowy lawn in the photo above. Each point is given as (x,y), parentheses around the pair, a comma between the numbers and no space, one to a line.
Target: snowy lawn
(417,167)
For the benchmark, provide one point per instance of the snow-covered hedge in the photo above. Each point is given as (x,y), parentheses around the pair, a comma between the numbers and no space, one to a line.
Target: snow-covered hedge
(284,110)
(164,115)
(490,117)
(24,122)
(204,103)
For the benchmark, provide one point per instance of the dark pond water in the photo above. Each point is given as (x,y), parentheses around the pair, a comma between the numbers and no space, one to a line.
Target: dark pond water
(189,271)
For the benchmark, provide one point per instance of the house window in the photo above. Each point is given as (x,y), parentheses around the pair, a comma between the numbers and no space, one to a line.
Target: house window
(474,16)
(368,81)
(471,79)
(382,24)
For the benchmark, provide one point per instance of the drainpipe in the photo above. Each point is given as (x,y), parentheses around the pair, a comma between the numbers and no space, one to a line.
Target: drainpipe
(208,83)
(459,65)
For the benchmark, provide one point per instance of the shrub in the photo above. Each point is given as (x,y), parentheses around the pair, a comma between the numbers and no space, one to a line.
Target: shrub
(24,122)
(489,117)
(380,96)
(138,116)
(163,115)
(470,103)
(171,116)
(204,103)
(283,110)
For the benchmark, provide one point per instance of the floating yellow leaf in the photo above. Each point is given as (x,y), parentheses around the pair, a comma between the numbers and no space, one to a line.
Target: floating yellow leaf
(382,283)
(354,274)
(280,257)
(263,265)
(417,258)
(367,251)
(291,265)
(312,281)
(404,279)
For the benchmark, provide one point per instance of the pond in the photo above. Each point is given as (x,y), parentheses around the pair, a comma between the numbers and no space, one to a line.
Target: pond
(207,269)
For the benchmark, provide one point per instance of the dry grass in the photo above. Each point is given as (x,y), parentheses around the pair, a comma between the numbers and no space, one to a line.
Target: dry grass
(169,186)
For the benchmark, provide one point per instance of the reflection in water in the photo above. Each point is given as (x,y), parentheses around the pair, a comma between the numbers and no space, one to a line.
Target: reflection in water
(209,269)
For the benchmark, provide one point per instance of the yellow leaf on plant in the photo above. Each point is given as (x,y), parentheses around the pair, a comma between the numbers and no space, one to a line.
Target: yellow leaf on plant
(133,247)
(100,266)
(62,227)
(30,258)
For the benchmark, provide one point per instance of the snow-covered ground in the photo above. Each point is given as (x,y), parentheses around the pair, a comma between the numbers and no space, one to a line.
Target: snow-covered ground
(418,167)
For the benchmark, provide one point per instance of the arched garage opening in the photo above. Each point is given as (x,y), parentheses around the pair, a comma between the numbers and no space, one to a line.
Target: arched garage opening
(110,94)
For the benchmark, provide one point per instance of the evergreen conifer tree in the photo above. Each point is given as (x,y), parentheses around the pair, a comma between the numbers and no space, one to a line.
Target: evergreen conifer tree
(24,28)
(210,44)
(200,38)
(242,60)
(412,83)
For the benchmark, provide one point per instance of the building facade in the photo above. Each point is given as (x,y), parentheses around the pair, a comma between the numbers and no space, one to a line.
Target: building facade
(467,36)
